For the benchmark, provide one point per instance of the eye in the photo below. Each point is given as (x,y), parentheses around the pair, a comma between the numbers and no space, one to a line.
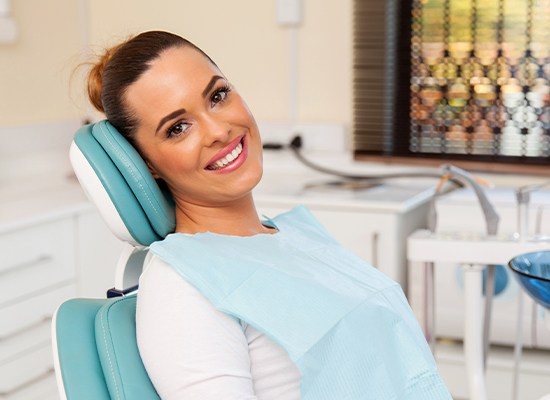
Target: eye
(177,129)
(220,95)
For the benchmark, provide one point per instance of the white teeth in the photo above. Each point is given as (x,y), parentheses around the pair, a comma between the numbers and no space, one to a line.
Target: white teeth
(229,157)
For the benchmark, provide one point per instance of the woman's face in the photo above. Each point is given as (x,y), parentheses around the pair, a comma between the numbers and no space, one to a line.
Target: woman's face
(192,124)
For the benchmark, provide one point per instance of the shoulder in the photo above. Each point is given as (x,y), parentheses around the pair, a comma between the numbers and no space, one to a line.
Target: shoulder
(163,291)
(157,273)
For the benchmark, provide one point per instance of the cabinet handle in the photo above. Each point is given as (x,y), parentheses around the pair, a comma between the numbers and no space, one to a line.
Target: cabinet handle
(374,247)
(27,327)
(44,258)
(22,386)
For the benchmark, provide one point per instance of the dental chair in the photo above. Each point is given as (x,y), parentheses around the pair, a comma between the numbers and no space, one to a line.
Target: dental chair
(94,340)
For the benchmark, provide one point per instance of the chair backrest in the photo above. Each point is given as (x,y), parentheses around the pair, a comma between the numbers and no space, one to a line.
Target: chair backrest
(94,340)
(97,353)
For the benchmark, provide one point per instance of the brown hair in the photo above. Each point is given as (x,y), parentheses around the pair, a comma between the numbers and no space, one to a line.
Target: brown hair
(122,65)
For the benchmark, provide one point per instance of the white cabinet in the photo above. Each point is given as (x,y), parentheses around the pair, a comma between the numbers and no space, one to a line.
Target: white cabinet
(36,258)
(42,265)
(37,273)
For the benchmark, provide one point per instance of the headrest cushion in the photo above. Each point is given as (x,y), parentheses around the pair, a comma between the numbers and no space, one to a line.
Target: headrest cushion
(145,208)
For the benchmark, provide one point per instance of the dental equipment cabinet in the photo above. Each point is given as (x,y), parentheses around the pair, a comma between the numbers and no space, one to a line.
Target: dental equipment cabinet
(55,245)
(446,276)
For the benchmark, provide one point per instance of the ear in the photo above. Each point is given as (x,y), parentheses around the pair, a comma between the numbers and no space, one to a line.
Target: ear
(152,170)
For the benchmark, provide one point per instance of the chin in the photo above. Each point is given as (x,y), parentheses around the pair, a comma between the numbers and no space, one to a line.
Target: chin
(250,180)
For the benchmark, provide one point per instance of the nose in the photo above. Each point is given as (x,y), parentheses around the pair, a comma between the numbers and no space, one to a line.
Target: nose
(216,129)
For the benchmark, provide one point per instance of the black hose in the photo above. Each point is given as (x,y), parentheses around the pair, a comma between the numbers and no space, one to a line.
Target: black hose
(296,145)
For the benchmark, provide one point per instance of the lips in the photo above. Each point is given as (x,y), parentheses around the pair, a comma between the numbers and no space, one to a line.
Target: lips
(235,163)
(225,151)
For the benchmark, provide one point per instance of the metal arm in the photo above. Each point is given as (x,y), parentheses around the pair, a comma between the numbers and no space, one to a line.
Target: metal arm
(523,197)
(491,222)
(491,216)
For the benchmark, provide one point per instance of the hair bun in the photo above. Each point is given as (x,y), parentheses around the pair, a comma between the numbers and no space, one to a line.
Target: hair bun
(95,78)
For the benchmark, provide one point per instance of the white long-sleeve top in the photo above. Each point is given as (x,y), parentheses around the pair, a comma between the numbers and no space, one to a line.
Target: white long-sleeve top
(191,350)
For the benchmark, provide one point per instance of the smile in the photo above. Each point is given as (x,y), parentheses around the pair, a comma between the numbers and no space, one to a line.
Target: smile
(230,159)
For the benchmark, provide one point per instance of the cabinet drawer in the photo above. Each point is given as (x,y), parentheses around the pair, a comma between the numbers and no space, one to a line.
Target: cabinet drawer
(34,337)
(23,323)
(25,370)
(35,258)
(42,388)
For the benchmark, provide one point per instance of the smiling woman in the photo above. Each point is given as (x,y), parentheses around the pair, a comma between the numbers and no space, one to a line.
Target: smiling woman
(199,138)
(229,306)
(196,134)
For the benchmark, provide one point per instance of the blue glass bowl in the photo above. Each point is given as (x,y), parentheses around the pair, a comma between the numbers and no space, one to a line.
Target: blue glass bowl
(532,270)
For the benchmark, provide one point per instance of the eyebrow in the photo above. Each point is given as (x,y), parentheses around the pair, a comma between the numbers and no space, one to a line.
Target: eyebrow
(181,111)
(210,84)
(170,116)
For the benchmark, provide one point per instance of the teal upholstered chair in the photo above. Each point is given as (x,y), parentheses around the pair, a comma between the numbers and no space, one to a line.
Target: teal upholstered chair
(94,340)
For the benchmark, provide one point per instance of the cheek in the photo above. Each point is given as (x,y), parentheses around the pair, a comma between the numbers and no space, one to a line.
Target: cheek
(243,110)
(177,161)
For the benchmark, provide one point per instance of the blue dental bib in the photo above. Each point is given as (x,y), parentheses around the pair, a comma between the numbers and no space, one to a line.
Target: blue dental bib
(347,326)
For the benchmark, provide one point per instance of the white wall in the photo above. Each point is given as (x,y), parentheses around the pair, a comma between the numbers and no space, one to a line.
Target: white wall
(34,71)
(240,35)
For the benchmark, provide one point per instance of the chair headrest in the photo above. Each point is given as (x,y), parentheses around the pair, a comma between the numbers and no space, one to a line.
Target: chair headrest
(136,207)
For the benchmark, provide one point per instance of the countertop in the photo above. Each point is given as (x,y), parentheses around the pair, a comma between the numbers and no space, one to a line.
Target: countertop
(37,199)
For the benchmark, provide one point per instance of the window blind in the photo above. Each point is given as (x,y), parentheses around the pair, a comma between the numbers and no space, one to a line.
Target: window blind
(374,80)
(458,79)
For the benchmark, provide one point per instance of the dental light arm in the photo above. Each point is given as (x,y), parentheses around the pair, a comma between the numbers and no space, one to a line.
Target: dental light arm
(491,216)
(523,197)
(491,222)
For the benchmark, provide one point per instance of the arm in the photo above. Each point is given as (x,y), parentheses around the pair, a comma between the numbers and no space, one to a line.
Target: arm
(189,349)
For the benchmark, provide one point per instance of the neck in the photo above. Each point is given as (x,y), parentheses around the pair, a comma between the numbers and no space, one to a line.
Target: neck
(238,218)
